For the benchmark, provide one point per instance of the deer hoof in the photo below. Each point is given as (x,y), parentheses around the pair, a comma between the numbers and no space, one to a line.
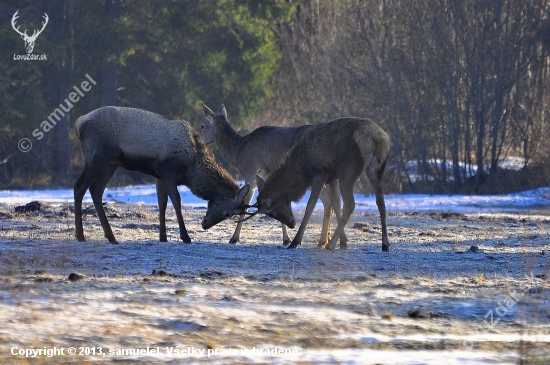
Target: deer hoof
(294,244)
(233,240)
(286,242)
(386,248)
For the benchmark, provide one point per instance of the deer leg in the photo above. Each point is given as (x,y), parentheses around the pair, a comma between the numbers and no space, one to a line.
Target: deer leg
(80,187)
(325,231)
(335,199)
(96,191)
(377,187)
(171,189)
(248,198)
(162,198)
(349,207)
(316,188)
(286,237)
(260,182)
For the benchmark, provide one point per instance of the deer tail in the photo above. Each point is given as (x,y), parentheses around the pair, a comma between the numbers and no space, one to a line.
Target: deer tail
(77,125)
(382,144)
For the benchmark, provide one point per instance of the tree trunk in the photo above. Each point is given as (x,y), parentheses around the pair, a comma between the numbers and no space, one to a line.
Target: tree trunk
(59,140)
(108,78)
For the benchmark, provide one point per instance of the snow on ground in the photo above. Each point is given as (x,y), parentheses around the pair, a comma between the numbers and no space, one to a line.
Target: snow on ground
(146,194)
(413,172)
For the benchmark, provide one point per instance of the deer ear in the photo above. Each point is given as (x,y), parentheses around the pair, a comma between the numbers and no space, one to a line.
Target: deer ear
(207,110)
(242,193)
(222,111)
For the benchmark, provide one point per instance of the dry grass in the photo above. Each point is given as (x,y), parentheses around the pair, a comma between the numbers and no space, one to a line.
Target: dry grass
(212,295)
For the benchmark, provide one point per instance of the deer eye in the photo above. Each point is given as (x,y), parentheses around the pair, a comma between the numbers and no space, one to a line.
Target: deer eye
(202,125)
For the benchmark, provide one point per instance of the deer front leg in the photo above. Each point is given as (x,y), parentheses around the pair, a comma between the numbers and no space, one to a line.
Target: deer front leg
(237,234)
(286,237)
(316,188)
(327,216)
(172,189)
(260,181)
(162,198)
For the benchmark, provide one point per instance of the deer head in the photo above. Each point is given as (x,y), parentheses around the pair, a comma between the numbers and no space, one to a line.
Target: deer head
(280,210)
(29,40)
(226,207)
(208,128)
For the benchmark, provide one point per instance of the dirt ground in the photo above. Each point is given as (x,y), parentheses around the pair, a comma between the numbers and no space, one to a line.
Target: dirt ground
(454,289)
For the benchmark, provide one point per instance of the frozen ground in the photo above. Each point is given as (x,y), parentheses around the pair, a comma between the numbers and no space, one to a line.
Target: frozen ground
(433,299)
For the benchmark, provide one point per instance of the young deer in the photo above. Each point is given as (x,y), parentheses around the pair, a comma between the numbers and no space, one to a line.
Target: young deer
(341,149)
(255,155)
(169,150)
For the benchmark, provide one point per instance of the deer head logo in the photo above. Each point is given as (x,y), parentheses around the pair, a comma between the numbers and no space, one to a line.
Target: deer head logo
(29,40)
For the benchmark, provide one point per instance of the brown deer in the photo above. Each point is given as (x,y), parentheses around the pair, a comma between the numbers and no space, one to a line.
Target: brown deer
(169,150)
(255,155)
(341,149)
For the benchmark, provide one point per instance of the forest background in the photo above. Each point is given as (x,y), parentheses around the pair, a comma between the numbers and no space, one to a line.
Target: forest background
(461,86)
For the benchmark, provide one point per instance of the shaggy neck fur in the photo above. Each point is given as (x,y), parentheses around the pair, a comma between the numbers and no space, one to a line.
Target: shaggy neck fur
(227,139)
(207,179)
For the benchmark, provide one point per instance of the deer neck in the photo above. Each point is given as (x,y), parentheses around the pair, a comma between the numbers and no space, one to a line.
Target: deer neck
(287,181)
(228,141)
(208,180)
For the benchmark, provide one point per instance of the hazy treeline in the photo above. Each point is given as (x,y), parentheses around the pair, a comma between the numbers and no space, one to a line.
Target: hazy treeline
(458,84)
(164,56)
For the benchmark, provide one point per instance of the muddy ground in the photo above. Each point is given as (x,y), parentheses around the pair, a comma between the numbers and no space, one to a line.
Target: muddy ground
(454,288)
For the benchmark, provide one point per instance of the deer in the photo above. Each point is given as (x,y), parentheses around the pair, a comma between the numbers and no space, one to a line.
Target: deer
(256,155)
(338,150)
(29,40)
(169,150)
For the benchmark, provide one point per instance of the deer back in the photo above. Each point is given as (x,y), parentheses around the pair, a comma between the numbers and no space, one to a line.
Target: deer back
(264,148)
(323,149)
(136,134)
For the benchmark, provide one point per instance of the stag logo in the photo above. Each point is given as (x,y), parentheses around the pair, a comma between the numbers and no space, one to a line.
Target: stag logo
(29,40)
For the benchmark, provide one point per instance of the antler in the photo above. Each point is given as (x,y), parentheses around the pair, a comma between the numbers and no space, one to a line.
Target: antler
(13,19)
(250,215)
(24,34)
(44,23)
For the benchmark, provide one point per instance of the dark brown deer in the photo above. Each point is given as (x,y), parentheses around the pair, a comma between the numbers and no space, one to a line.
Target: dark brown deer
(169,150)
(342,149)
(255,155)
